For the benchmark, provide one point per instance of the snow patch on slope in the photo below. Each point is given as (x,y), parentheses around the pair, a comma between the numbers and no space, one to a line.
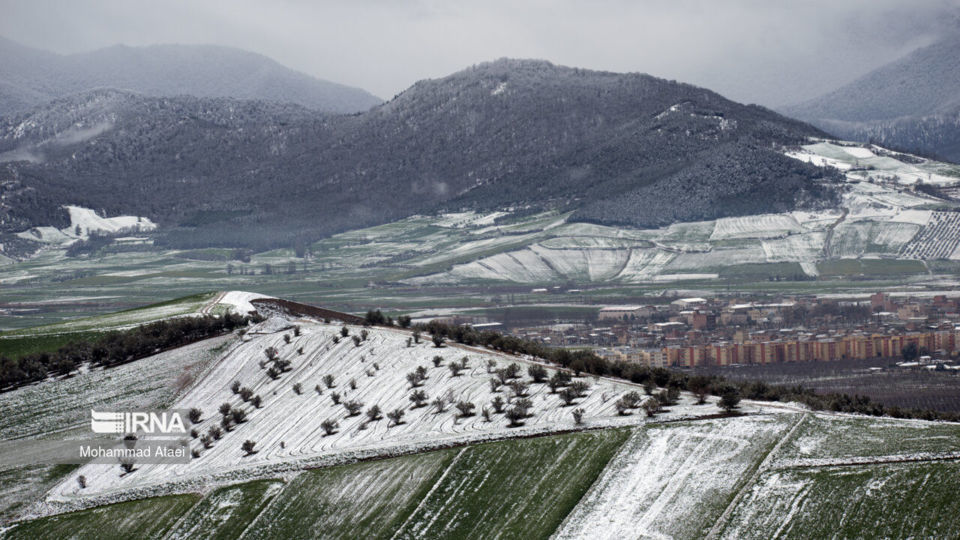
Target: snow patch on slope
(89,222)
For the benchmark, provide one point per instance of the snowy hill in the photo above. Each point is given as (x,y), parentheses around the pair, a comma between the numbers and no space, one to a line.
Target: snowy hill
(287,425)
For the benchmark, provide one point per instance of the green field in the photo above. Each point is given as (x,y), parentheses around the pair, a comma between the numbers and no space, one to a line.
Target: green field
(226,512)
(671,479)
(18,346)
(521,489)
(147,518)
(874,501)
(366,500)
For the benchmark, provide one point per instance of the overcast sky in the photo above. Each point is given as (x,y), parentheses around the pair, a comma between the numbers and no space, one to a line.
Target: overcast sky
(764,51)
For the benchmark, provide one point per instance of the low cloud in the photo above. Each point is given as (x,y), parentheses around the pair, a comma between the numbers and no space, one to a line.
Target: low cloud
(772,53)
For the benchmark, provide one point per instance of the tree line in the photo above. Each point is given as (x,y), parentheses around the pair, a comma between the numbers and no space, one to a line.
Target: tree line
(584,361)
(116,347)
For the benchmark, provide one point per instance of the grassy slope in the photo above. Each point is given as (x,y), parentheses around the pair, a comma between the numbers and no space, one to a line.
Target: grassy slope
(815,488)
(100,323)
(364,500)
(519,490)
(916,500)
(226,512)
(526,487)
(19,346)
(147,518)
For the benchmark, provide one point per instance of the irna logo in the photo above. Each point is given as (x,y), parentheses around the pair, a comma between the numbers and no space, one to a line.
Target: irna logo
(166,422)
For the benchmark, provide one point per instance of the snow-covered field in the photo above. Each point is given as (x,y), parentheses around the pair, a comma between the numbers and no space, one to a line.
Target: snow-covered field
(762,226)
(673,481)
(681,474)
(874,162)
(880,215)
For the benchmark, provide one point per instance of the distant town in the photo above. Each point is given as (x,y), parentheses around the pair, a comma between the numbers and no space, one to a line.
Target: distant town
(921,332)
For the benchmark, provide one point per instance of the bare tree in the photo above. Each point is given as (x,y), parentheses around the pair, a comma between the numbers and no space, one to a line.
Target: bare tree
(329,426)
(419,398)
(396,416)
(466,408)
(353,407)
(247,447)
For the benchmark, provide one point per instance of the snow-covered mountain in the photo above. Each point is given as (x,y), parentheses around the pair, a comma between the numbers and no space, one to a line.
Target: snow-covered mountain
(509,132)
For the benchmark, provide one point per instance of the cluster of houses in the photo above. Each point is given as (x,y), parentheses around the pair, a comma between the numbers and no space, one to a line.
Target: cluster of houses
(804,347)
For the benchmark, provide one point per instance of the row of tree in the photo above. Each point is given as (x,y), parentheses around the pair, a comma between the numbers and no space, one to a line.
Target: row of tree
(585,361)
(117,347)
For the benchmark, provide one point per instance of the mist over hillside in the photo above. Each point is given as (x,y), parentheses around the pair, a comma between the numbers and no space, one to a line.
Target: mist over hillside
(510,132)
(31,77)
(911,103)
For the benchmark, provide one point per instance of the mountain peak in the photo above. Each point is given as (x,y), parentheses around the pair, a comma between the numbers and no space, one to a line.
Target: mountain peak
(29,77)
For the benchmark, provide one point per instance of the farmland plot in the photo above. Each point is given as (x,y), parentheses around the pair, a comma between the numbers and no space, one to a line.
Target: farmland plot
(674,480)
(825,439)
(915,500)
(364,500)
(147,518)
(514,489)
(226,512)
(761,226)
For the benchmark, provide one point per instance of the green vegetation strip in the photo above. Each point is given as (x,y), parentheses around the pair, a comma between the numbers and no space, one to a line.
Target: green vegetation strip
(363,500)
(226,512)
(514,489)
(16,347)
(147,518)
